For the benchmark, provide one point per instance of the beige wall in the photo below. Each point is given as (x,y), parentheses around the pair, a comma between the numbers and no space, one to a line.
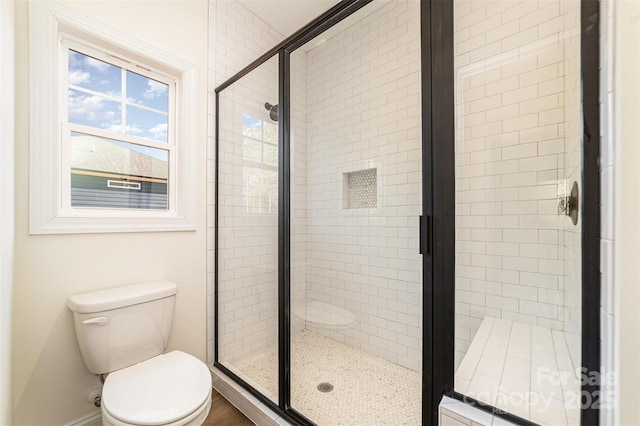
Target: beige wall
(51,382)
(627,207)
(6,202)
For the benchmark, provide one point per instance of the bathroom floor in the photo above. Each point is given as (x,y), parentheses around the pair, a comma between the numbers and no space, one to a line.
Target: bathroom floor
(367,390)
(223,413)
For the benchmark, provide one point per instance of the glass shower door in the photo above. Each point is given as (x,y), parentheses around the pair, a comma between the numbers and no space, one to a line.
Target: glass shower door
(247,229)
(356,182)
(518,233)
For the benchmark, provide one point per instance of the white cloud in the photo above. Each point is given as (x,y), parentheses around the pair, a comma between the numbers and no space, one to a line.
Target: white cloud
(155,89)
(114,127)
(78,77)
(88,108)
(159,131)
(117,128)
(75,59)
(96,64)
(133,130)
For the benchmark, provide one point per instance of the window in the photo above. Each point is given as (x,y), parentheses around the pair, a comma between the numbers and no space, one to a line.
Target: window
(260,171)
(115,152)
(105,97)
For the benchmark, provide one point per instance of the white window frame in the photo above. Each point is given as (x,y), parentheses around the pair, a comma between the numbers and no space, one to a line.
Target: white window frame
(53,30)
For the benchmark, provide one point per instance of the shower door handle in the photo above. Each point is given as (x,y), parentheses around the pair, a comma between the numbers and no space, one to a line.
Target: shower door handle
(425,225)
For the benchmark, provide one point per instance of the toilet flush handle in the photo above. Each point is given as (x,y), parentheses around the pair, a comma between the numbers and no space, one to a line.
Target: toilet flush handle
(96,321)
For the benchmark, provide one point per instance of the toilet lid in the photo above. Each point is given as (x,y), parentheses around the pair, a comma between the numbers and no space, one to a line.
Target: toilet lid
(160,390)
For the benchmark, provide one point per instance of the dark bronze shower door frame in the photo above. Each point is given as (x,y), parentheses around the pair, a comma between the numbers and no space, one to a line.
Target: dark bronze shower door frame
(437,225)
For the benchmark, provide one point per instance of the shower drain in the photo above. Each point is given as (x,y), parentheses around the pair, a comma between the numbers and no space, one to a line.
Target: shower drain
(325,387)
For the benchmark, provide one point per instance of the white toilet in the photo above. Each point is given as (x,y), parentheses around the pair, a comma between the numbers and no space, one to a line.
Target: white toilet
(124,331)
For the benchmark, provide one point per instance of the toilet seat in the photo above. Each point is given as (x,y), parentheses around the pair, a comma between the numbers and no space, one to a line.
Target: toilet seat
(194,419)
(169,389)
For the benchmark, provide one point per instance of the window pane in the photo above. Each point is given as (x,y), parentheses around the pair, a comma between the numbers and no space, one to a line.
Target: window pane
(145,91)
(270,133)
(251,150)
(114,174)
(94,74)
(260,189)
(270,155)
(94,111)
(146,124)
(251,126)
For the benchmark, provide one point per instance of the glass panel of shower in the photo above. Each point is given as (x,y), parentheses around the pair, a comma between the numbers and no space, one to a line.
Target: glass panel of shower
(247,229)
(356,194)
(518,227)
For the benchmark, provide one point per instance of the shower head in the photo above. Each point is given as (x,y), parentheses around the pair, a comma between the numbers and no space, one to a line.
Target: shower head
(273,111)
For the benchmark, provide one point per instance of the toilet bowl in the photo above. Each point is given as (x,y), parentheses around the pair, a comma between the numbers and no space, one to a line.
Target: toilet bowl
(123,332)
(170,389)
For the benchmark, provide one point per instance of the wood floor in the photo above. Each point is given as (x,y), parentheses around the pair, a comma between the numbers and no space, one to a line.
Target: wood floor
(223,413)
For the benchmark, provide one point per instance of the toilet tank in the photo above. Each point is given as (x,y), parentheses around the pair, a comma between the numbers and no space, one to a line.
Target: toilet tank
(122,326)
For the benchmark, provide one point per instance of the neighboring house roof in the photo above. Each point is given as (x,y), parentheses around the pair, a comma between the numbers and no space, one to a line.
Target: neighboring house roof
(101,155)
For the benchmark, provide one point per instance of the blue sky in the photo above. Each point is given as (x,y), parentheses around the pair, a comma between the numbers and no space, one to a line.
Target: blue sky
(100,111)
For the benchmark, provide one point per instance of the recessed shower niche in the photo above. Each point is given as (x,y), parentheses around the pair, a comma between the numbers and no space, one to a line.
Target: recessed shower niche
(360,189)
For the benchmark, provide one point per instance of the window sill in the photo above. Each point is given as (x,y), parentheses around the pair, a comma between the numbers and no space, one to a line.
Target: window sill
(99,225)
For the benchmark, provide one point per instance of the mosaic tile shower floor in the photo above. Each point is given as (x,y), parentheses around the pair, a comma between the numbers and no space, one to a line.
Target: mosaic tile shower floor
(367,390)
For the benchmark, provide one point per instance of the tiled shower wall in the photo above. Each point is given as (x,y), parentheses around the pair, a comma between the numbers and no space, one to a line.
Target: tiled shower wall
(363,112)
(237,38)
(515,86)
